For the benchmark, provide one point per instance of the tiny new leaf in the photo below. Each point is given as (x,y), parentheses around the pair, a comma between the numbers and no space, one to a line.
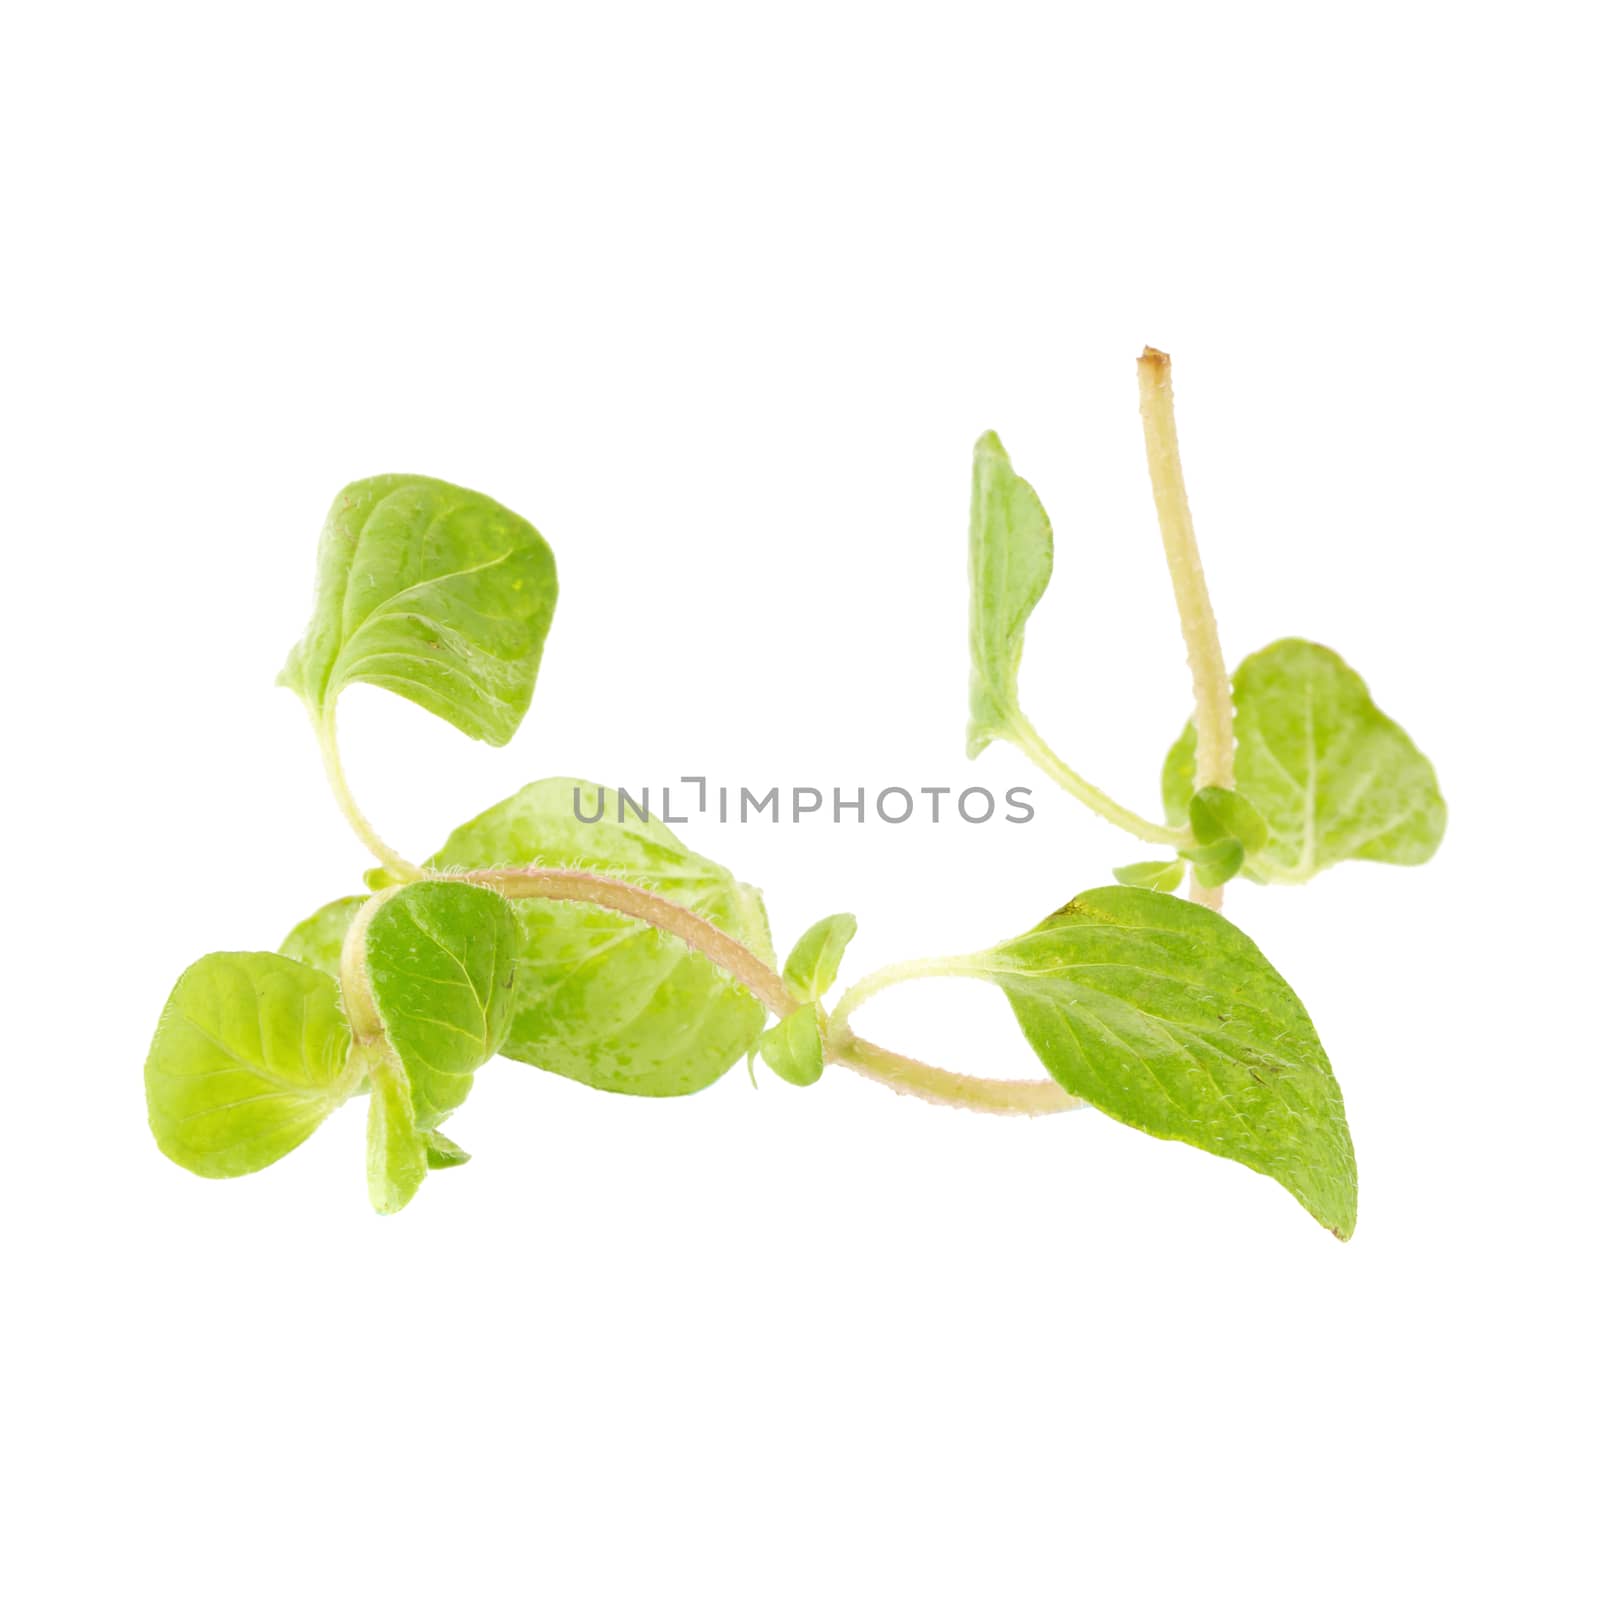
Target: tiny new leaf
(793,1048)
(601,998)
(1215,864)
(441,964)
(1218,814)
(437,593)
(443,1152)
(813,964)
(1009,554)
(1165,1016)
(1331,776)
(251,1053)
(1162,875)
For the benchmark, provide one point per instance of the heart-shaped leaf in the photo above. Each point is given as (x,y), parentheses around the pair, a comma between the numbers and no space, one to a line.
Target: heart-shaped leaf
(1330,775)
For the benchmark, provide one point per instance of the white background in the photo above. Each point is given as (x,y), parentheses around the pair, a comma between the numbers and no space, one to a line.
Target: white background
(719,298)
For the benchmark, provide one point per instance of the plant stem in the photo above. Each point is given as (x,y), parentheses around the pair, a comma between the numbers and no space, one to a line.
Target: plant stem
(999,1096)
(898,1072)
(328,743)
(900,972)
(1213,695)
(569,883)
(1027,739)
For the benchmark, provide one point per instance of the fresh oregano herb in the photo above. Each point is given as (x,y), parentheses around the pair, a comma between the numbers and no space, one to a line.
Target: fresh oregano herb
(813,964)
(610,953)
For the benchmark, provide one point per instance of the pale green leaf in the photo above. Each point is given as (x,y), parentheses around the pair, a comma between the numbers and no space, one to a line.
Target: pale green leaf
(1333,778)
(813,964)
(443,1152)
(441,965)
(1009,555)
(1219,814)
(434,592)
(793,1048)
(251,1053)
(1162,875)
(319,940)
(397,1154)
(1166,1017)
(602,998)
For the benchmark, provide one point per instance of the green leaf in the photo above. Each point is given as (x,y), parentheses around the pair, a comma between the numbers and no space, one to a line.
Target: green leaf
(1218,814)
(602,998)
(793,1049)
(441,964)
(1162,875)
(443,1152)
(1332,777)
(251,1053)
(397,1154)
(1009,555)
(435,592)
(1215,864)
(319,940)
(1166,1017)
(813,964)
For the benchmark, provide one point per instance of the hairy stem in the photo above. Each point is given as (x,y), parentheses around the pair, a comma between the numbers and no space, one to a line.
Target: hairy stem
(1213,695)
(328,743)
(885,977)
(898,1072)
(1000,1096)
(1027,739)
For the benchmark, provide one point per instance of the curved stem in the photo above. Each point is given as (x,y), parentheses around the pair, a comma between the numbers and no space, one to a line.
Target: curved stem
(999,1096)
(900,972)
(898,1072)
(328,743)
(1027,739)
(1213,694)
(569,883)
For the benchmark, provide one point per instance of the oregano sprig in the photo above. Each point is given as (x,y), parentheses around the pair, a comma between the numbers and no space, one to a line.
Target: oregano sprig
(610,953)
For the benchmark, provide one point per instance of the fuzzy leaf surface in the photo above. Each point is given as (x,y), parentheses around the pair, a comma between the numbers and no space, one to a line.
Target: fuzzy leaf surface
(397,1152)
